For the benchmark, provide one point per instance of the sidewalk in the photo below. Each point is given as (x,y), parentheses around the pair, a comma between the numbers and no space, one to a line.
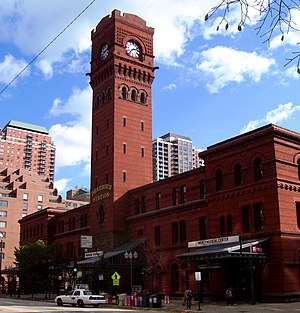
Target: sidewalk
(175,306)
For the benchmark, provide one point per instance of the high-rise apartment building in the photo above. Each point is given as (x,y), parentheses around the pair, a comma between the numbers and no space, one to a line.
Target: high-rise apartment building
(173,154)
(27,146)
(23,192)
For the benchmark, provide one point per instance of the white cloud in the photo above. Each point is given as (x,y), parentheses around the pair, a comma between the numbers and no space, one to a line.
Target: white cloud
(61,184)
(73,139)
(223,65)
(292,38)
(170,87)
(283,112)
(10,67)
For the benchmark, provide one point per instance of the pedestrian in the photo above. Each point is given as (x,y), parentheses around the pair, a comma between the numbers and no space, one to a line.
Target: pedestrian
(229,296)
(189,297)
(166,292)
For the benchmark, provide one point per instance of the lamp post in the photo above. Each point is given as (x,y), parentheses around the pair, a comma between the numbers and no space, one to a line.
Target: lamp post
(130,257)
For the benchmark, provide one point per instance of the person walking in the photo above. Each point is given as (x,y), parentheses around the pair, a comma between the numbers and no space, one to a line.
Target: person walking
(166,292)
(189,297)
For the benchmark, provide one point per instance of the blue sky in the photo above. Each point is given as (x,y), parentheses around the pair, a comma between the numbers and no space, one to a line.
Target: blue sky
(211,85)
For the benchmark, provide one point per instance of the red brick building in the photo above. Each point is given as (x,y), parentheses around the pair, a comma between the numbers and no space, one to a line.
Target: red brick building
(236,220)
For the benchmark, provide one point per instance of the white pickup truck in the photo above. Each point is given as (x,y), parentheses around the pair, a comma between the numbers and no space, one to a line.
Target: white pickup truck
(80,297)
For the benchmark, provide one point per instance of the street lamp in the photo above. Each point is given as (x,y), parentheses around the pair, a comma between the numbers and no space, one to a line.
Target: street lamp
(130,257)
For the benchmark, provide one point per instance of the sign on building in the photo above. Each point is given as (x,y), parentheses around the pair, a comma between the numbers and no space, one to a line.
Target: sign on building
(86,242)
(213,241)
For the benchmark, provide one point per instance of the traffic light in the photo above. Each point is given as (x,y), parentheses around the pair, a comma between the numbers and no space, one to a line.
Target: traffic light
(75,269)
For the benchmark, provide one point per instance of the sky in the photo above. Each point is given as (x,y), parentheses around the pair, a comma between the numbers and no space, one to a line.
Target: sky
(210,86)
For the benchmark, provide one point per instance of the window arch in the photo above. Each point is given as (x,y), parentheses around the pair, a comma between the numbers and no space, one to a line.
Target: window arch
(238,179)
(102,97)
(133,95)
(175,278)
(258,169)
(109,93)
(219,180)
(143,98)
(124,92)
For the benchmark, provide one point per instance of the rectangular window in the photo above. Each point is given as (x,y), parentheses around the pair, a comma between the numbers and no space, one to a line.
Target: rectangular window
(202,189)
(107,123)
(3,224)
(175,196)
(39,207)
(157,235)
(124,148)
(25,206)
(107,150)
(137,206)
(183,194)
(40,198)
(246,218)
(106,178)
(143,204)
(174,233)
(229,224)
(3,213)
(142,126)
(3,203)
(182,232)
(298,214)
(258,214)
(158,197)
(124,177)
(222,225)
(25,196)
(142,152)
(3,234)
(124,121)
(96,155)
(202,227)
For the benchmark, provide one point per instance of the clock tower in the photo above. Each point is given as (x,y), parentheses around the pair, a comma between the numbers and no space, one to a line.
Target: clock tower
(122,72)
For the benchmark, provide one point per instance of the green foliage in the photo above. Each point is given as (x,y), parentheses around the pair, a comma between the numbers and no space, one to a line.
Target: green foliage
(37,263)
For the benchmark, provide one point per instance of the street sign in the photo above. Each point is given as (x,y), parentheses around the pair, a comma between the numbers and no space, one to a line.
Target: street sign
(115,277)
(93,254)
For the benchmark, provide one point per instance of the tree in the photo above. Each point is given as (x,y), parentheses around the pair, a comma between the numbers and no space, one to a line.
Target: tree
(276,17)
(37,263)
(153,258)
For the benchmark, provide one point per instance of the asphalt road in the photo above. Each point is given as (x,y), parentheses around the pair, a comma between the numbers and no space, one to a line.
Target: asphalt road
(8,305)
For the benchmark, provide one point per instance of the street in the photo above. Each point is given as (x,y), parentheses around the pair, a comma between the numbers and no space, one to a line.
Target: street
(8,305)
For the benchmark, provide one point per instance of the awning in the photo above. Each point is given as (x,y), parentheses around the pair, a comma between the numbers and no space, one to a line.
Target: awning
(250,249)
(128,246)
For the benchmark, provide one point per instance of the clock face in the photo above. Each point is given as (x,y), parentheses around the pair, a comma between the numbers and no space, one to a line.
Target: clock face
(104,52)
(133,49)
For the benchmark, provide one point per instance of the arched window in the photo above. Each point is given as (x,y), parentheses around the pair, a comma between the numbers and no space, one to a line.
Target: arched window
(238,179)
(102,97)
(219,180)
(124,93)
(258,169)
(175,278)
(109,93)
(133,95)
(298,162)
(143,98)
